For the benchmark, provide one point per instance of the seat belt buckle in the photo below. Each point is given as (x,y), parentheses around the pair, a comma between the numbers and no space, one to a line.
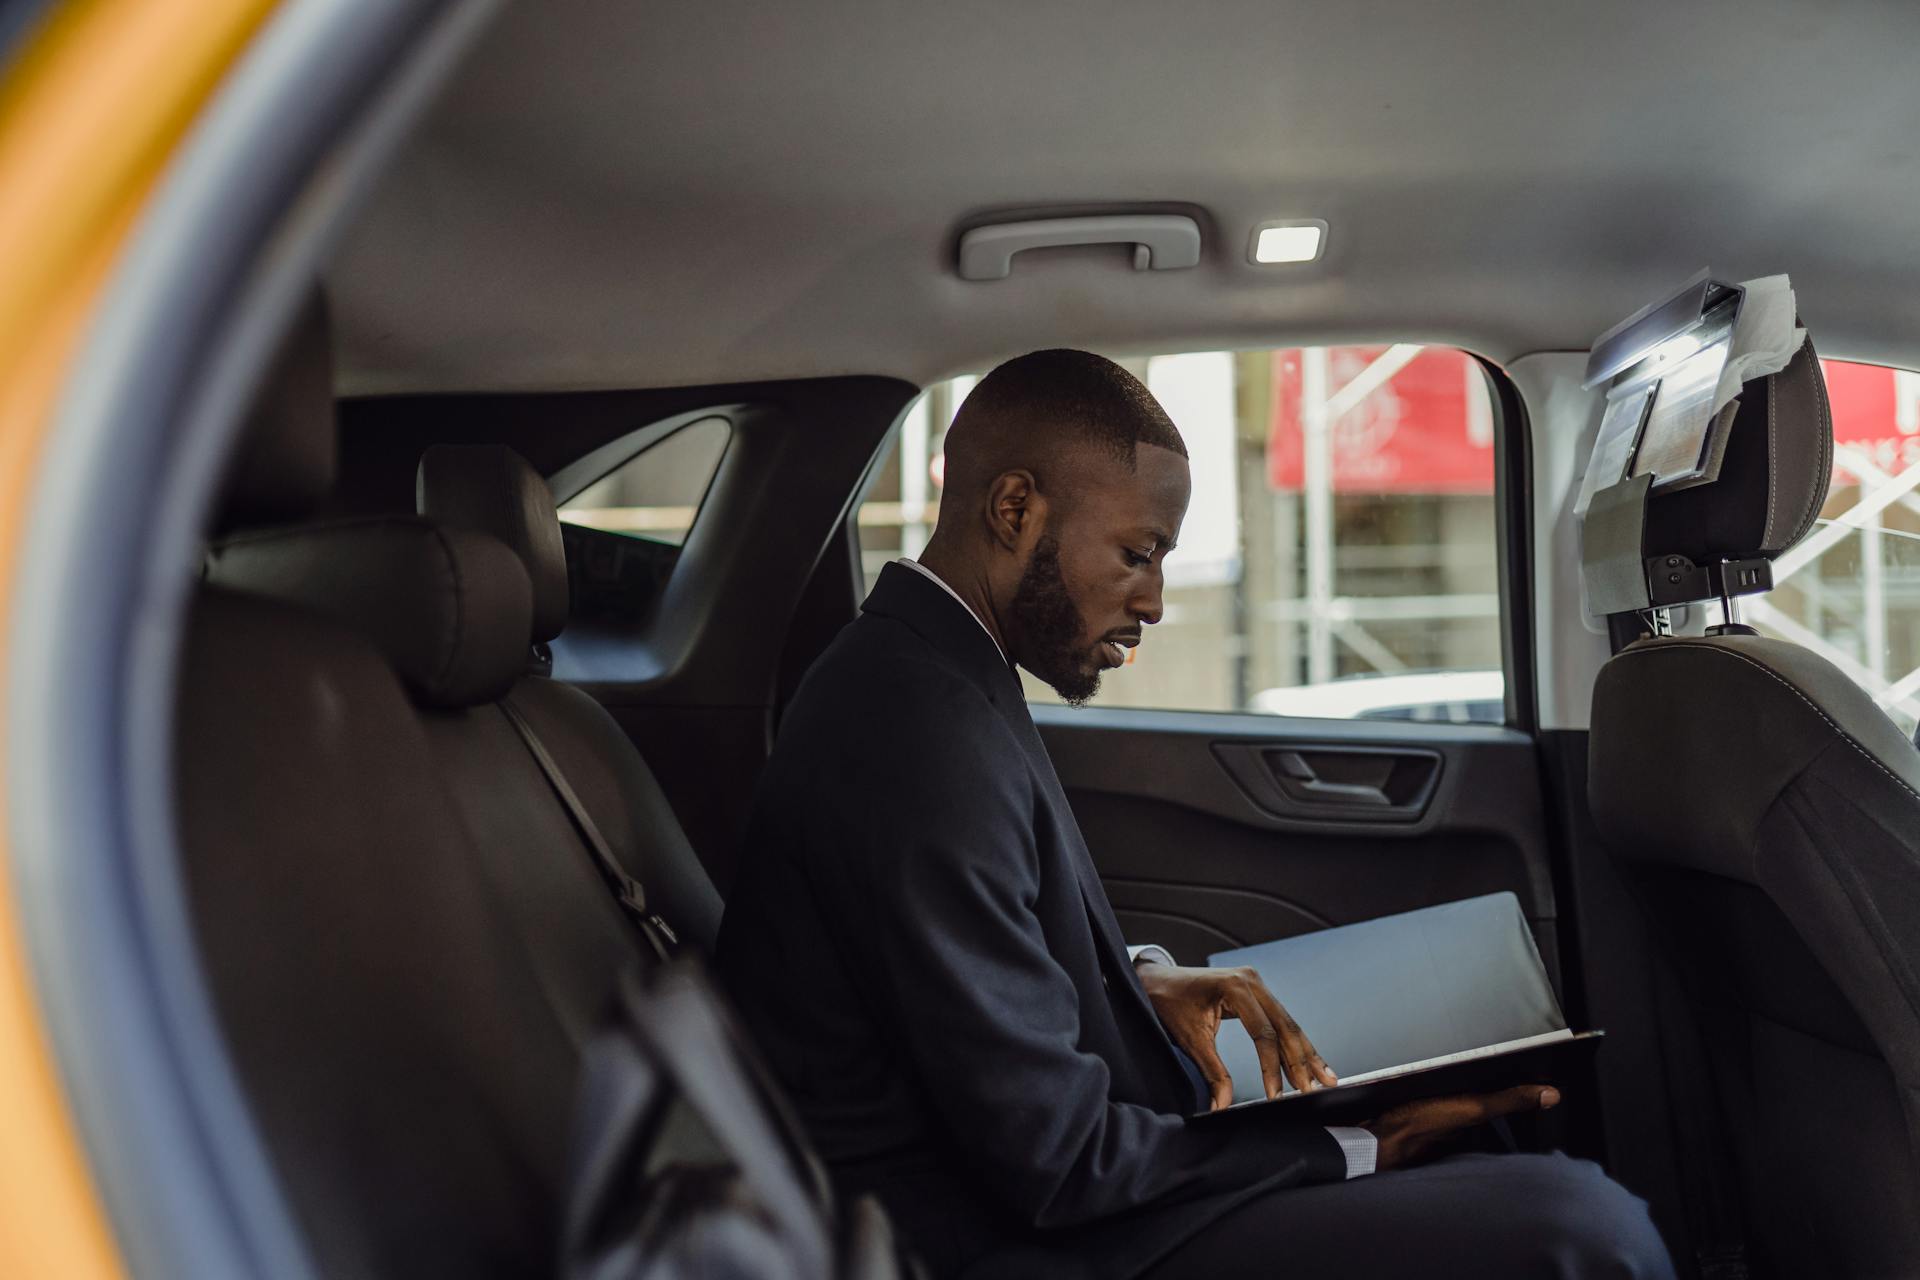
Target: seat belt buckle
(634,899)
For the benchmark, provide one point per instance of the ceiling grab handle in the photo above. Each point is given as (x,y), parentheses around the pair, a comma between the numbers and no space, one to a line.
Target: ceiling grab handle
(1161,241)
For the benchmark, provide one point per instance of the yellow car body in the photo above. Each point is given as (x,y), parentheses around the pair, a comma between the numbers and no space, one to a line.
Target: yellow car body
(94,101)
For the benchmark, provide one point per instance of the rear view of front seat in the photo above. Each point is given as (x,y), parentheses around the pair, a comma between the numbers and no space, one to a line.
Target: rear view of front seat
(1768,813)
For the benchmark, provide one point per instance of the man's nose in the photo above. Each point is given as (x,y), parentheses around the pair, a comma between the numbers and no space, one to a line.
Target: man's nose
(1150,604)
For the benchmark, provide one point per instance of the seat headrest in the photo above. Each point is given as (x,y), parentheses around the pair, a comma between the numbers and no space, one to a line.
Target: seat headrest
(284,465)
(448,608)
(1773,479)
(492,489)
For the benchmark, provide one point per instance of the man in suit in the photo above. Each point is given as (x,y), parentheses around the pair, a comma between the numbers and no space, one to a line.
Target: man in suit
(919,940)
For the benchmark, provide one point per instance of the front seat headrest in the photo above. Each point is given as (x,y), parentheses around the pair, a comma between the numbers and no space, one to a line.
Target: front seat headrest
(492,489)
(448,608)
(1773,478)
(284,463)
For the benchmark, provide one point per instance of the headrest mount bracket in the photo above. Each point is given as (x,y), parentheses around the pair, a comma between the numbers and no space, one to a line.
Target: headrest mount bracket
(1675,579)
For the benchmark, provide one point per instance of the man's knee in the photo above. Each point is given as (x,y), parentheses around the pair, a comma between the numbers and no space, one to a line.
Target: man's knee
(1579,1222)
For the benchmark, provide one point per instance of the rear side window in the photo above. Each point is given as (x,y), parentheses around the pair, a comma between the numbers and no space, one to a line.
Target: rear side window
(1850,591)
(655,494)
(636,502)
(1338,557)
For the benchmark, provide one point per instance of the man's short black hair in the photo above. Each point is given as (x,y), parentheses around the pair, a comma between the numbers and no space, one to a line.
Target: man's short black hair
(1035,409)
(1076,394)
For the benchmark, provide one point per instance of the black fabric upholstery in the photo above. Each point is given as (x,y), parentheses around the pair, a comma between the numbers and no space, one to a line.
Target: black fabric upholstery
(492,489)
(1770,813)
(286,455)
(1698,791)
(1773,478)
(449,608)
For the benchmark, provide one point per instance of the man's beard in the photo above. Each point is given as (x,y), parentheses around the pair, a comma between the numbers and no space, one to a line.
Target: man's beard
(1051,628)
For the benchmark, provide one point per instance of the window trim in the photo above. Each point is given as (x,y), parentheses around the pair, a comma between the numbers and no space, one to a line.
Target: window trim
(1513,544)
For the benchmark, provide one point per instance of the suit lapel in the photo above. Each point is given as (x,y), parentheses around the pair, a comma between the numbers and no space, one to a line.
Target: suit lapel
(945,623)
(1099,910)
(1122,978)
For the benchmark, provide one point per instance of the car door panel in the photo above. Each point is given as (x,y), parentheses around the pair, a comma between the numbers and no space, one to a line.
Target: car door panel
(1201,848)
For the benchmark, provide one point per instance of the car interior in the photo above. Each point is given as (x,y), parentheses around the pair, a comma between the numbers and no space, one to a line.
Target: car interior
(571,457)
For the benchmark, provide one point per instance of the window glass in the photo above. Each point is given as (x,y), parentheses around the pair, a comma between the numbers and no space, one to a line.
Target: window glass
(623,534)
(655,493)
(1338,556)
(1850,591)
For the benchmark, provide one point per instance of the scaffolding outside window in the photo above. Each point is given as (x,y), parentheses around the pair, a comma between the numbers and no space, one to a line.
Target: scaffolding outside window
(1850,591)
(1338,556)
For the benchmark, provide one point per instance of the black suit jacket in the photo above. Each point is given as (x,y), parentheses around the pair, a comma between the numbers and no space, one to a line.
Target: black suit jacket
(919,941)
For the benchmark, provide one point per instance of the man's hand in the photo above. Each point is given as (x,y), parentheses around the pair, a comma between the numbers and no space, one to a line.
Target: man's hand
(1191,1004)
(1410,1130)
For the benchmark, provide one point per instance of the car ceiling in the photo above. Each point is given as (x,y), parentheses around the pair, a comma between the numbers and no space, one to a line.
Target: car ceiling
(615,194)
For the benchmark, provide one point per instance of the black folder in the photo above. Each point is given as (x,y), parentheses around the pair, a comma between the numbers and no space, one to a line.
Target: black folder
(1555,1062)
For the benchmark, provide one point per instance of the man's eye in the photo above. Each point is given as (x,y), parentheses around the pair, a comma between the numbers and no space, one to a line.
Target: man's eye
(1137,560)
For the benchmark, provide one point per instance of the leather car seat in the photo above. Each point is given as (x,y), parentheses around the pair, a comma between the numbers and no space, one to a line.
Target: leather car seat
(492,490)
(407,946)
(402,1061)
(1767,814)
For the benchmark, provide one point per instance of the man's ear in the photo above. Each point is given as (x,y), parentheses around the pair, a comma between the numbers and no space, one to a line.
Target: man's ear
(1016,511)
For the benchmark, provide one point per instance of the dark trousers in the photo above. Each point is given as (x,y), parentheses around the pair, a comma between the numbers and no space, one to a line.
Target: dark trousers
(1483,1217)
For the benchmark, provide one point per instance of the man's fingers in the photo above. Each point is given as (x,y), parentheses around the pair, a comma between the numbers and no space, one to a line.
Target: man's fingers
(1243,1004)
(1483,1107)
(1408,1131)
(1468,1109)
(1305,1067)
(1525,1097)
(1213,1071)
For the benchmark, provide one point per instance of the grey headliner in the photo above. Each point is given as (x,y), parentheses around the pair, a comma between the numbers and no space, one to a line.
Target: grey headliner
(616,194)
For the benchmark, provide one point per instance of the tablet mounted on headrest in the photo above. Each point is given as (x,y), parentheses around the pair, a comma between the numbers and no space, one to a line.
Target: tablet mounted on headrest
(1713,458)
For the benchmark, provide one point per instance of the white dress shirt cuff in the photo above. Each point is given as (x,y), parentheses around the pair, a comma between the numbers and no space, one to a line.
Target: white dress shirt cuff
(1360,1148)
(1151,953)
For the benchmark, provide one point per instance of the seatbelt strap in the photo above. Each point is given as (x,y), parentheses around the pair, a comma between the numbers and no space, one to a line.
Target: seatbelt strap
(627,892)
(1709,1185)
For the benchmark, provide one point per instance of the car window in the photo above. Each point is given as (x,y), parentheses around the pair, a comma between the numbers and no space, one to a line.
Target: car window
(1850,591)
(654,493)
(623,530)
(1338,557)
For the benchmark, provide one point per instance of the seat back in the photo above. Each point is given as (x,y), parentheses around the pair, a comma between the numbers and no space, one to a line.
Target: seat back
(401,1061)
(492,490)
(408,947)
(1767,813)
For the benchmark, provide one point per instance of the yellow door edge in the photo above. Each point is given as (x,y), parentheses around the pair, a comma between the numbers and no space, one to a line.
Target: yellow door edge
(92,107)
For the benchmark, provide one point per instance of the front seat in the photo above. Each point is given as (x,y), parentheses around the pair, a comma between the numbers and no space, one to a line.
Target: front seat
(1767,813)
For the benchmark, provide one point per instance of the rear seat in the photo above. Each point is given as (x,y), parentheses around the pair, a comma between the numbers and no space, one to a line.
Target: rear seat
(490,489)
(404,934)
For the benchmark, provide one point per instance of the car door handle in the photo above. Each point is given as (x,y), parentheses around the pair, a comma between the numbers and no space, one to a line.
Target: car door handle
(1334,781)
(1297,768)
